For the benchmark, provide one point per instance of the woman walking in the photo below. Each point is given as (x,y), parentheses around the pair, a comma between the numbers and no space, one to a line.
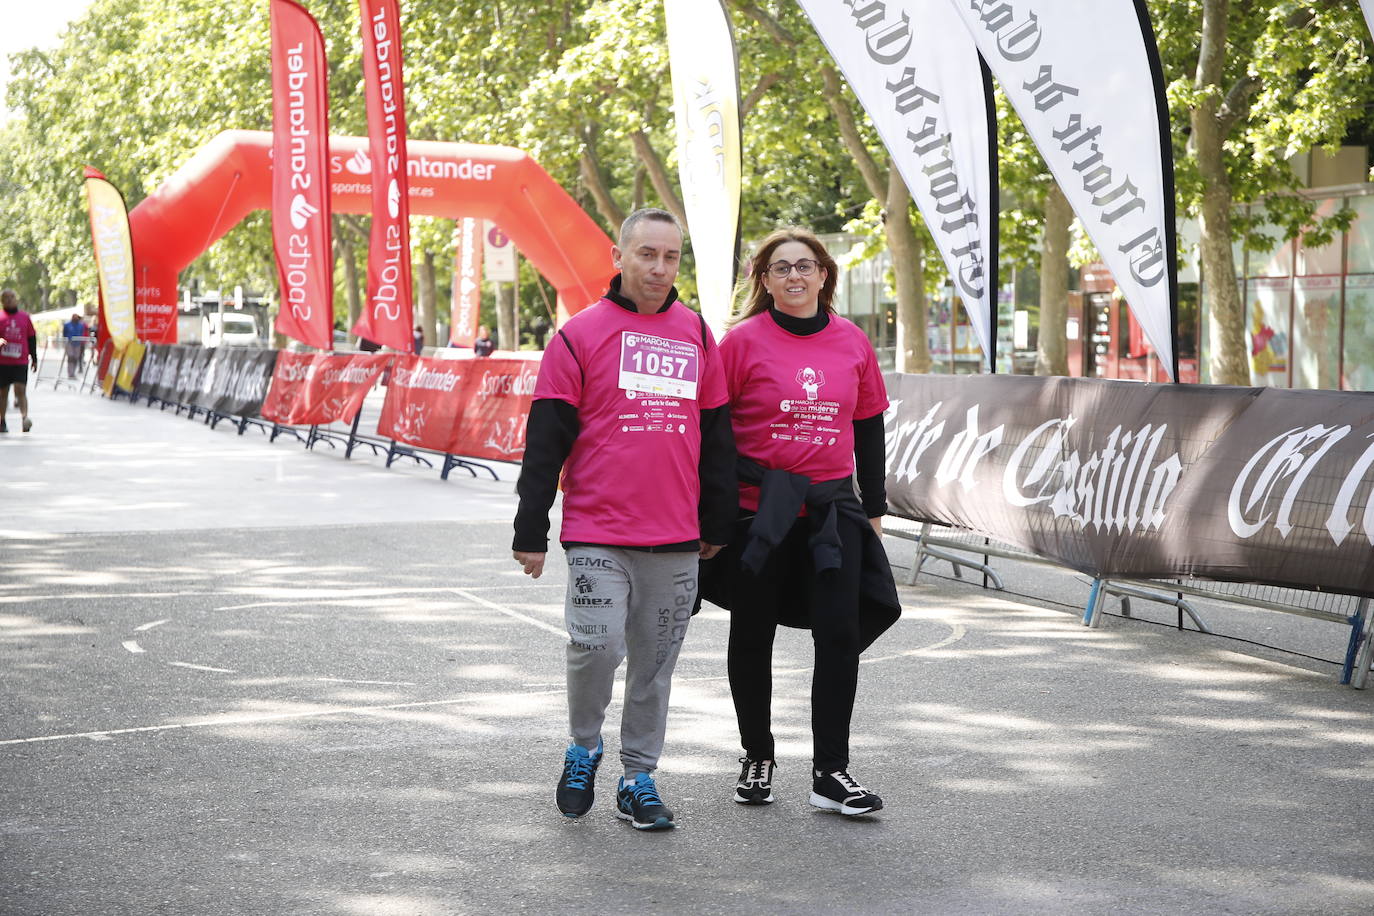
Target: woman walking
(806,404)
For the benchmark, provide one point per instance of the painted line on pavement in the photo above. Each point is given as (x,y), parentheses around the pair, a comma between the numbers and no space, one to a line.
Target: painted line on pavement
(132,646)
(259,719)
(557,631)
(148,626)
(379,591)
(203,668)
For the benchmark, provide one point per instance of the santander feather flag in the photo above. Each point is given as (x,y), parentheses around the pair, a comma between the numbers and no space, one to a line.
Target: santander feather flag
(386,316)
(301,228)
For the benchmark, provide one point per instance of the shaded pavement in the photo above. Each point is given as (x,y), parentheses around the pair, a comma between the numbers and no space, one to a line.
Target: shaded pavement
(240,677)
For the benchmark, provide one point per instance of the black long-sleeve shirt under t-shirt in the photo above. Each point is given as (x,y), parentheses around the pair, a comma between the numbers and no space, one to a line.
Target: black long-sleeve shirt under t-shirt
(870,442)
(552,429)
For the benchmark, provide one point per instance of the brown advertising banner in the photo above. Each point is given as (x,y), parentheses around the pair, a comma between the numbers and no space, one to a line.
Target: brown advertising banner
(1131,480)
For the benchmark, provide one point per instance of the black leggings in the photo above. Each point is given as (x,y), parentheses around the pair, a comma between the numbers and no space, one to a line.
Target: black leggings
(834,630)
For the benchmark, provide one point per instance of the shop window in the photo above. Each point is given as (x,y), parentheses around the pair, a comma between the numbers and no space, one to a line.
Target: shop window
(1322,259)
(1360,257)
(1358,362)
(1267,333)
(1317,332)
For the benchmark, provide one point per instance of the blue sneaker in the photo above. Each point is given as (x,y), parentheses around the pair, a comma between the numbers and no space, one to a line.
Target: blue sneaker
(639,803)
(575,789)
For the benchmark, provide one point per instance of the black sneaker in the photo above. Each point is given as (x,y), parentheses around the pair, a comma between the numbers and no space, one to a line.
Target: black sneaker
(755,786)
(4,427)
(639,803)
(575,787)
(838,791)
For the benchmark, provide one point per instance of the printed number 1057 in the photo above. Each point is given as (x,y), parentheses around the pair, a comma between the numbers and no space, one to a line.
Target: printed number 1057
(654,364)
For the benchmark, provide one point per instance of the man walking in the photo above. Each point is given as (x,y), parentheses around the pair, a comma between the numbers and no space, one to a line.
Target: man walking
(18,347)
(74,334)
(630,406)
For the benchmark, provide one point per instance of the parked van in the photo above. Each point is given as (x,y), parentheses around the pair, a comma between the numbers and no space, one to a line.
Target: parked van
(239,330)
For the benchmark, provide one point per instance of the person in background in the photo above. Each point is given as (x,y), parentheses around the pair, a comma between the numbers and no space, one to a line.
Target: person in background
(806,405)
(18,352)
(483,345)
(74,333)
(629,411)
(419,344)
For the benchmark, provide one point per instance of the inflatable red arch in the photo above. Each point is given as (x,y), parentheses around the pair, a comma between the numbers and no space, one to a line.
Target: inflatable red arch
(230,177)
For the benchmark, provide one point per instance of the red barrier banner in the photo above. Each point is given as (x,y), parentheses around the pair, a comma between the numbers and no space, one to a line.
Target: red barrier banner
(467,284)
(496,406)
(312,389)
(424,401)
(387,316)
(301,235)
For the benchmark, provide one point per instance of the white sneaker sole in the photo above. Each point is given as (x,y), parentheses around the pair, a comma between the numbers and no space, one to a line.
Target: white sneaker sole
(741,800)
(829,804)
(661,824)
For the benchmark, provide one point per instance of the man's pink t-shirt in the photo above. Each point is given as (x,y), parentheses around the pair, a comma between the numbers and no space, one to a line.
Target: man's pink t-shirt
(794,398)
(16,330)
(639,383)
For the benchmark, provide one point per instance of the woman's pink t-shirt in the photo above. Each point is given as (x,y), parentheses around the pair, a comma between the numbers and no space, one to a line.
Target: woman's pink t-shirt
(639,383)
(794,398)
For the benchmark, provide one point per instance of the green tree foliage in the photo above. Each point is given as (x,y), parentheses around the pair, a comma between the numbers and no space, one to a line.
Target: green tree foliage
(1251,84)
(134,88)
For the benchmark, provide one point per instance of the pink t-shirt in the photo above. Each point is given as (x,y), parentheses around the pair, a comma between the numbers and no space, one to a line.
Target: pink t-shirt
(794,399)
(16,330)
(639,383)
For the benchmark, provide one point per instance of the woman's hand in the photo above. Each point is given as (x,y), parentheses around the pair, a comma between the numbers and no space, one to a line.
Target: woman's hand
(877,524)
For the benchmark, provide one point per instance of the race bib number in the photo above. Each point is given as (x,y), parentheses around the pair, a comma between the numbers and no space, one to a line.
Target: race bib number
(657,365)
(11,350)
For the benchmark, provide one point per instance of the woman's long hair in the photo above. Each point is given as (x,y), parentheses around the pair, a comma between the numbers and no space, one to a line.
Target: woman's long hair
(757,299)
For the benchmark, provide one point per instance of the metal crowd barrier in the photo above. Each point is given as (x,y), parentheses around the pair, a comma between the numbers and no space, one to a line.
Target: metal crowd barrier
(969,550)
(62,364)
(332,434)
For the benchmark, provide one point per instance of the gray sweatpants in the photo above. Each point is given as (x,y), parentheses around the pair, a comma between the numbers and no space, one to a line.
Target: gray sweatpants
(626,603)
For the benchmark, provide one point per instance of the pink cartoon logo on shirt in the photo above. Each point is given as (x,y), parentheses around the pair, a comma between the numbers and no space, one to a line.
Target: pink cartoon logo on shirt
(811,381)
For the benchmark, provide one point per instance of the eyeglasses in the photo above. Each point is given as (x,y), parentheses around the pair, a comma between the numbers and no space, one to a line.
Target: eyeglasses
(805,268)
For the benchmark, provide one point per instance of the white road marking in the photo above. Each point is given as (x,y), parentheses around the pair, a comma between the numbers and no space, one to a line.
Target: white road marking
(257,719)
(203,668)
(347,593)
(343,680)
(132,646)
(957,632)
(466,593)
(148,626)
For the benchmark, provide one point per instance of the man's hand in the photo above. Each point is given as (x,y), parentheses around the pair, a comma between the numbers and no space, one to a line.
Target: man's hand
(533,563)
(877,524)
(708,550)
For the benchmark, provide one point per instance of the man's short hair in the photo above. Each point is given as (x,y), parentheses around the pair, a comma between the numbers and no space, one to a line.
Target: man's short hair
(627,228)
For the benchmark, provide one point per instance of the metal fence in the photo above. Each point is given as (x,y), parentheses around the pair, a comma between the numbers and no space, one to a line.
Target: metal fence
(964,549)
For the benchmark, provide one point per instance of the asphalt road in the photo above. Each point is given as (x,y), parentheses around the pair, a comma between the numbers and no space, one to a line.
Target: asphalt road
(239,677)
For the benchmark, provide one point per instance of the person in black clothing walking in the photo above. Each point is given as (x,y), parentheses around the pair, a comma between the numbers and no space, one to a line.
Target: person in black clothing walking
(806,406)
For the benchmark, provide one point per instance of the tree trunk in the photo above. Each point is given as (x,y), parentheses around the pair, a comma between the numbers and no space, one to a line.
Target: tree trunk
(428,296)
(658,176)
(1228,360)
(507,330)
(594,180)
(913,350)
(1052,351)
(348,256)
